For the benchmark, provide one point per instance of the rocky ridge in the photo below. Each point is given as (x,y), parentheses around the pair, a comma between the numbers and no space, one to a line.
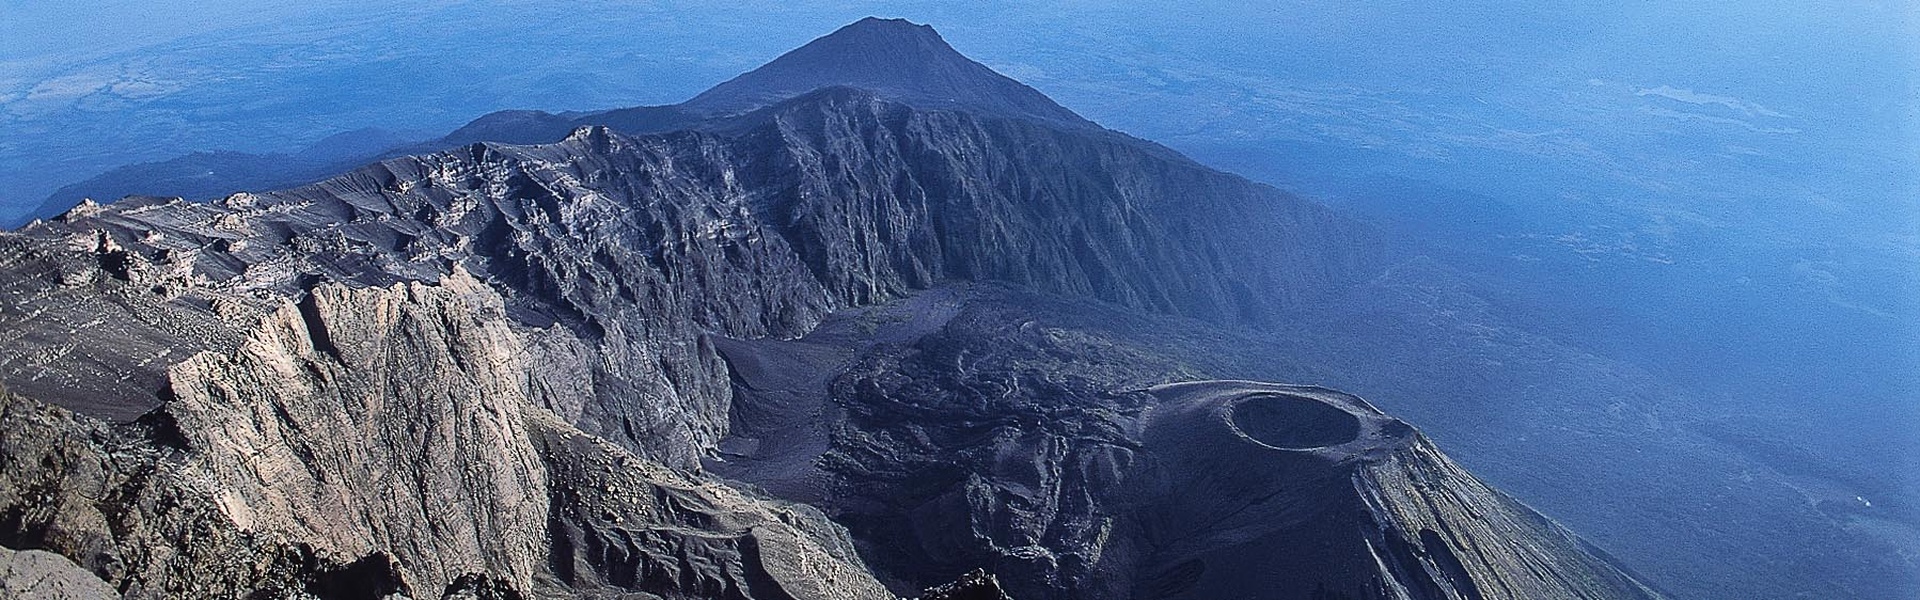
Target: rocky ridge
(641,243)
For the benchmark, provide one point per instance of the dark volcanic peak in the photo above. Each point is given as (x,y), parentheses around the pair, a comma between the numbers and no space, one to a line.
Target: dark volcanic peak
(898,59)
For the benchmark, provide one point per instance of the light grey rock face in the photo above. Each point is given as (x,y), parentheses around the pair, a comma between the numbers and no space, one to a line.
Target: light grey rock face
(110,500)
(629,265)
(383,439)
(377,419)
(43,575)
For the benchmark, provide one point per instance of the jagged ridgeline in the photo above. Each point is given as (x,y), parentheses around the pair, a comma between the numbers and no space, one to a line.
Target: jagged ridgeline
(842,327)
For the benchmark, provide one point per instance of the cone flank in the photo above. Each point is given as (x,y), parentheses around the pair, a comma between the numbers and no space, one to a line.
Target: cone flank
(894,58)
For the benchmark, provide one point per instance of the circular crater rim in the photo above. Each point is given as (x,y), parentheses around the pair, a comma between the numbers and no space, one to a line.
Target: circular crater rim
(1292,422)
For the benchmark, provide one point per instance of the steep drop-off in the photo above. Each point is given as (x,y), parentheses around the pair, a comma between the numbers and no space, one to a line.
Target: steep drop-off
(380,440)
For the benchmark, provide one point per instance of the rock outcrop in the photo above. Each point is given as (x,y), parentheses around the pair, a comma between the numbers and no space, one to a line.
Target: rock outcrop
(975,585)
(47,576)
(385,439)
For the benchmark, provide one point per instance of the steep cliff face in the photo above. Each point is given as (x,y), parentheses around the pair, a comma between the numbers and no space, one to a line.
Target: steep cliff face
(384,439)
(879,198)
(635,246)
(337,420)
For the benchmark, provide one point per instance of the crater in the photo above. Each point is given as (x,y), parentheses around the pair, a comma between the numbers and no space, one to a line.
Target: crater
(1293,422)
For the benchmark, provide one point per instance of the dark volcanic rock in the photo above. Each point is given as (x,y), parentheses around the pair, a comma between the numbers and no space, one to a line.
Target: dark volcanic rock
(927,197)
(902,61)
(496,371)
(1222,509)
(1040,437)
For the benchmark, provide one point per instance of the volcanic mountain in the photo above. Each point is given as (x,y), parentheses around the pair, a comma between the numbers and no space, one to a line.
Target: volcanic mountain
(902,61)
(851,325)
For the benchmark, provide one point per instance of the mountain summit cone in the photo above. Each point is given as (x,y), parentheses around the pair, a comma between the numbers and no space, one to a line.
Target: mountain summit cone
(895,58)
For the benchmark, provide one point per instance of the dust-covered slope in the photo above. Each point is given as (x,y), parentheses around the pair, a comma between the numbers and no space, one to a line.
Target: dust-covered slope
(1078,450)
(900,60)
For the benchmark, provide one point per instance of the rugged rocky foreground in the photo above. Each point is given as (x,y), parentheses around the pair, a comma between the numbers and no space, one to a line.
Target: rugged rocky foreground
(381,440)
(738,361)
